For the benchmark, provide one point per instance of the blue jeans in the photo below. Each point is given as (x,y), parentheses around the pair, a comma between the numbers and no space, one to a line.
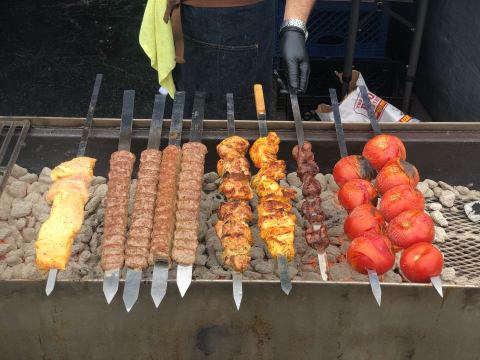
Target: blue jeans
(227,50)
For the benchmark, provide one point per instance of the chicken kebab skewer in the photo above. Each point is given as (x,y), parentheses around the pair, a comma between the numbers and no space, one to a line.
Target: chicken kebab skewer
(166,204)
(116,207)
(71,180)
(235,214)
(435,280)
(316,232)
(138,240)
(275,218)
(372,273)
(187,216)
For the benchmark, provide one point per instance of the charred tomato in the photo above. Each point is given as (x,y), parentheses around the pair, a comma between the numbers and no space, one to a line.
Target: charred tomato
(399,199)
(371,251)
(352,167)
(363,219)
(397,172)
(356,192)
(420,262)
(410,227)
(383,148)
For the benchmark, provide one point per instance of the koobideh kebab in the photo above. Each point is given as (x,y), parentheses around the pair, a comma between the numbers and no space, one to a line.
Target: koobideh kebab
(275,218)
(235,214)
(69,194)
(187,217)
(137,248)
(116,207)
(166,203)
(316,231)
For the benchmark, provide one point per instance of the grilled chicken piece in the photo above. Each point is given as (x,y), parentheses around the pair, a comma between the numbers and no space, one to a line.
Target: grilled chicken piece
(264,150)
(232,148)
(239,210)
(75,166)
(236,188)
(276,170)
(238,165)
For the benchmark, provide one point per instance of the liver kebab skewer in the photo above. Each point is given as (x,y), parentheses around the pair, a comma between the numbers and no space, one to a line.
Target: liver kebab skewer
(138,240)
(166,204)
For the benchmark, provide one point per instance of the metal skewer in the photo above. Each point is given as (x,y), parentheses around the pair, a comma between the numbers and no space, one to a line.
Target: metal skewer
(236,276)
(322,257)
(282,262)
(184,272)
(111,278)
(134,276)
(372,274)
(160,268)
(52,274)
(436,280)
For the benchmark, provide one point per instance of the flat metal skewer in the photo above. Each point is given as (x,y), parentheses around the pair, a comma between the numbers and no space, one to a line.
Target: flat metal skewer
(134,276)
(52,273)
(322,257)
(184,272)
(160,268)
(437,284)
(282,262)
(370,110)
(237,285)
(111,278)
(372,274)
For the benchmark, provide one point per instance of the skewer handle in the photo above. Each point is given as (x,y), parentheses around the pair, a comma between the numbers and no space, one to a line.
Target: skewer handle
(230,115)
(259,100)
(338,123)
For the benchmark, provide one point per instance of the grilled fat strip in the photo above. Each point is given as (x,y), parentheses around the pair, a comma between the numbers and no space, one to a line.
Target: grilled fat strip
(166,205)
(138,241)
(233,216)
(69,194)
(116,210)
(188,203)
(275,220)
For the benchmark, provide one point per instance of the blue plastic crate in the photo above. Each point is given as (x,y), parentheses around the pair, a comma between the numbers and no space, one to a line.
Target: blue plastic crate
(328,29)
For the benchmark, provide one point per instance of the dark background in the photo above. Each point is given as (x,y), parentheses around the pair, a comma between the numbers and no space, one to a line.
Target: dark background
(50,52)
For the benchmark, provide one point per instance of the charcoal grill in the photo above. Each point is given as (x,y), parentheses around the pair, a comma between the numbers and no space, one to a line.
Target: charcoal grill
(333,320)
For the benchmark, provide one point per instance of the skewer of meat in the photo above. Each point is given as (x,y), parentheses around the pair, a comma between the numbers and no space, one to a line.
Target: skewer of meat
(187,216)
(234,215)
(166,204)
(275,219)
(138,240)
(116,208)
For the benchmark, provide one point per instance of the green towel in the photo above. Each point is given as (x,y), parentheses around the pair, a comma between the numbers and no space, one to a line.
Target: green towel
(156,39)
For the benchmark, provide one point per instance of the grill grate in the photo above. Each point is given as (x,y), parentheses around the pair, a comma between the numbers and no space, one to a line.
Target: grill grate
(461,250)
(5,147)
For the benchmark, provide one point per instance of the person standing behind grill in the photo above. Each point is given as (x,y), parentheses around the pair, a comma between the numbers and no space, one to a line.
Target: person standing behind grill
(226,46)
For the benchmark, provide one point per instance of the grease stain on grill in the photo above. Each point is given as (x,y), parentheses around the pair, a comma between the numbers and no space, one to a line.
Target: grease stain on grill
(208,337)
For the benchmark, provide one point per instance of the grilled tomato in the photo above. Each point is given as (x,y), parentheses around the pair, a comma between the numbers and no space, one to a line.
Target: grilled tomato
(363,219)
(420,262)
(352,167)
(371,251)
(397,172)
(383,148)
(399,199)
(410,227)
(356,192)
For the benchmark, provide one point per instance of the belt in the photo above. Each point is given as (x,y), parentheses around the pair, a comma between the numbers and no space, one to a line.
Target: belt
(173,12)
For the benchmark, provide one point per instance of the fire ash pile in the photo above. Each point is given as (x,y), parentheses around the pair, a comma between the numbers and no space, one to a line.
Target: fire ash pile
(23,209)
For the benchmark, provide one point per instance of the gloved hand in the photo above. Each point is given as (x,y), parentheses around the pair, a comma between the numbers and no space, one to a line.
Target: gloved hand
(294,53)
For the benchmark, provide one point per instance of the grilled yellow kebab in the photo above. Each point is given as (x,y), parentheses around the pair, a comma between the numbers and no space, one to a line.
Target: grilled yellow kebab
(69,194)
(275,219)
(235,214)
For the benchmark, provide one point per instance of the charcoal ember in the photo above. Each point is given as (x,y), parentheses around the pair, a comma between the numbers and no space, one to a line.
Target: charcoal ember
(270,276)
(210,177)
(257,253)
(435,206)
(220,272)
(462,190)
(447,198)
(336,231)
(423,187)
(440,235)
(439,219)
(472,210)
(391,277)
(17,189)
(252,275)
(312,276)
(448,274)
(431,183)
(300,244)
(445,186)
(263,266)
(294,180)
(18,171)
(322,180)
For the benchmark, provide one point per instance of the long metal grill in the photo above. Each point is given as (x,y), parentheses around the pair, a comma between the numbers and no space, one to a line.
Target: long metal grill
(461,250)
(6,148)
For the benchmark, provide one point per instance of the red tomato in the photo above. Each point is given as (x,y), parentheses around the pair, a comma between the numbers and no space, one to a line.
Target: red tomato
(383,148)
(355,193)
(410,227)
(371,251)
(420,262)
(364,218)
(397,172)
(352,167)
(399,199)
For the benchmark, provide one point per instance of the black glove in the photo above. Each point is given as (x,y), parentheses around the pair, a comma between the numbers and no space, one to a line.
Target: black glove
(294,53)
